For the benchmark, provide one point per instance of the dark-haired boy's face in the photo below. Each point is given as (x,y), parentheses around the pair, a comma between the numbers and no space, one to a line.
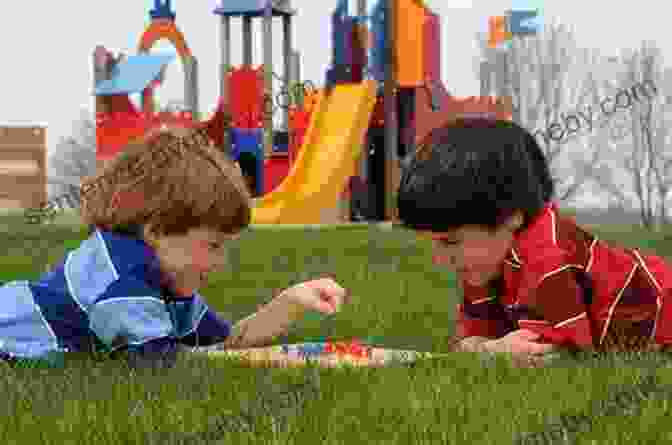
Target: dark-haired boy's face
(476,254)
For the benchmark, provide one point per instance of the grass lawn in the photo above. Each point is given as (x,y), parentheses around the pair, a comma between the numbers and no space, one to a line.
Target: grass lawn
(398,297)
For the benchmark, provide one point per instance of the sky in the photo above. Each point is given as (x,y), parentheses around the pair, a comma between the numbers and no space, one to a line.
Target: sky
(47,45)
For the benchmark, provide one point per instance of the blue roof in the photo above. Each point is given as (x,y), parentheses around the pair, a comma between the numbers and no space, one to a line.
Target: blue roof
(525,22)
(134,74)
(233,8)
(162,10)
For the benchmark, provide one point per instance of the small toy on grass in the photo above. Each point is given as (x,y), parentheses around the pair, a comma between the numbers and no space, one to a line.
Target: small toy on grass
(329,354)
(325,352)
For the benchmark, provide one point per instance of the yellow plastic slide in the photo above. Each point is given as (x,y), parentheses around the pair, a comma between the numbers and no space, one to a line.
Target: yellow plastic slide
(326,160)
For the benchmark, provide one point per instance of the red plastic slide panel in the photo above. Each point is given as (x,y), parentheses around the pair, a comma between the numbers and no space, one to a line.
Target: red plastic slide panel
(121,103)
(218,124)
(378,115)
(247,97)
(298,125)
(115,130)
(432,42)
(299,120)
(275,171)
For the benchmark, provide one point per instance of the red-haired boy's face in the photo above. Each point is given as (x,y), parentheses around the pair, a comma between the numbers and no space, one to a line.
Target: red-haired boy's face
(476,254)
(187,260)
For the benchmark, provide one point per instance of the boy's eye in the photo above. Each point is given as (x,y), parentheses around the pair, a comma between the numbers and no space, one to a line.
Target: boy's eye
(446,242)
(215,246)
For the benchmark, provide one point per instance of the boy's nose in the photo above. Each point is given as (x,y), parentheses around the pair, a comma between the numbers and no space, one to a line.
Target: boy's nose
(215,264)
(450,261)
(439,259)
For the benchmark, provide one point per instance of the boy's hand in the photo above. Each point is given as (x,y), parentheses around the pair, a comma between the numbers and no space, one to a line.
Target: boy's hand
(520,343)
(322,295)
(273,319)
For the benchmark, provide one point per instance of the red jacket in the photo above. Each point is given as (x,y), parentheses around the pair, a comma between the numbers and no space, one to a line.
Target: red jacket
(573,289)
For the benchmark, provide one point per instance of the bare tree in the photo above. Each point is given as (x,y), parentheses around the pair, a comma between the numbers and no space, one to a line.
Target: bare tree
(640,157)
(647,163)
(602,141)
(547,77)
(74,158)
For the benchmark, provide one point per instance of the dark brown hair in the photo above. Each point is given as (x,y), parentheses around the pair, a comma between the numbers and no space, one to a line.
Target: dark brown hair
(474,171)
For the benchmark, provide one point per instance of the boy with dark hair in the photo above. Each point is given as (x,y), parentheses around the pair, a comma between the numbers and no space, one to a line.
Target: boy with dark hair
(533,280)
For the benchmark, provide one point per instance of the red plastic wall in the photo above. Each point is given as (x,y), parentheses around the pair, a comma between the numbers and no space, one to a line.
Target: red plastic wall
(275,170)
(247,97)
(432,59)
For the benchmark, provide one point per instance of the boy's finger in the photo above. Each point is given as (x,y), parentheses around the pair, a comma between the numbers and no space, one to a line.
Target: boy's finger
(527,334)
(328,307)
(542,348)
(336,293)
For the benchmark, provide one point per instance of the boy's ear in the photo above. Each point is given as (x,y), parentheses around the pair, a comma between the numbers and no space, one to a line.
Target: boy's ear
(150,235)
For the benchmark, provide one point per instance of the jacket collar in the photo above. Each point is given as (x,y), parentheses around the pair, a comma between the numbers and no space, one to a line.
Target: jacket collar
(541,231)
(130,255)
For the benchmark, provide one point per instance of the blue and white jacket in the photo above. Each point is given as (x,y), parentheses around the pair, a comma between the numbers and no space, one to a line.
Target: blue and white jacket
(104,296)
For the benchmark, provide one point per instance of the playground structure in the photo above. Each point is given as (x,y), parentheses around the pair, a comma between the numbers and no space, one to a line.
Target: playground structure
(398,44)
(23,160)
(394,49)
(118,121)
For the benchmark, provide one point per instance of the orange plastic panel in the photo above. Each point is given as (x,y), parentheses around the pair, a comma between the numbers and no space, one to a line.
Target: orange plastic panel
(157,30)
(409,36)
(164,29)
(498,31)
